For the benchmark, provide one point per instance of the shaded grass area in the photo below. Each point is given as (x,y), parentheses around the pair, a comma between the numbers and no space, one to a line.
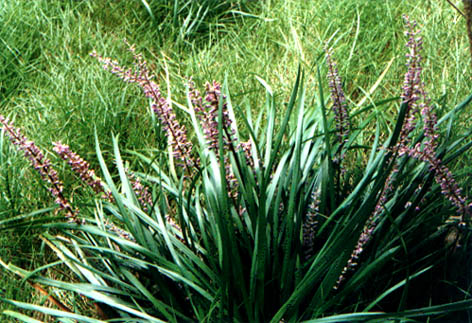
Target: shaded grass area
(55,91)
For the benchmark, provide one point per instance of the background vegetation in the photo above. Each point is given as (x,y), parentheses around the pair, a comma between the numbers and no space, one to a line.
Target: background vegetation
(52,88)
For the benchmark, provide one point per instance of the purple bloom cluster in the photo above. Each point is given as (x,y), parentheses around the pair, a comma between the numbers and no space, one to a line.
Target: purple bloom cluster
(175,132)
(444,177)
(82,168)
(412,84)
(41,164)
(341,114)
(310,224)
(208,112)
(110,226)
(412,93)
(365,237)
(79,166)
(141,191)
(246,147)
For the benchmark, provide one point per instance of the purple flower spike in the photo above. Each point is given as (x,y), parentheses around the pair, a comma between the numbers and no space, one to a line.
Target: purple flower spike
(310,225)
(341,114)
(444,177)
(412,83)
(79,166)
(177,133)
(41,164)
(207,112)
(141,191)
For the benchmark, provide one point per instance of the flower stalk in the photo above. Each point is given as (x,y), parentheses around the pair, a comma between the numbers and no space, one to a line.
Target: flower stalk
(79,166)
(341,114)
(175,132)
(42,165)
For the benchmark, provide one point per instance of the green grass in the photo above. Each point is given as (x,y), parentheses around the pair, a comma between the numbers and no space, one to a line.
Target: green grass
(55,91)
(49,79)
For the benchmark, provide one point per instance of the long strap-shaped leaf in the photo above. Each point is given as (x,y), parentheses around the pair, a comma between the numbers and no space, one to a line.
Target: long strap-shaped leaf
(293,217)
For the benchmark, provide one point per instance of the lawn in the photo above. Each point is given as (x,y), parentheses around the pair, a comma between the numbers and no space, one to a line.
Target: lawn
(55,91)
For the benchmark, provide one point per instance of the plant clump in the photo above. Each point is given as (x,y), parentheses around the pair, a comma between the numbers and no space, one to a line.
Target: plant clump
(277,227)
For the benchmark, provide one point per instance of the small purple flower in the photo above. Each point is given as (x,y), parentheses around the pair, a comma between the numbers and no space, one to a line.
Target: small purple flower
(310,225)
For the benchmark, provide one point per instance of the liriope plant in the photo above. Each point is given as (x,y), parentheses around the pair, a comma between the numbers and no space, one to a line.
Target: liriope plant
(301,220)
